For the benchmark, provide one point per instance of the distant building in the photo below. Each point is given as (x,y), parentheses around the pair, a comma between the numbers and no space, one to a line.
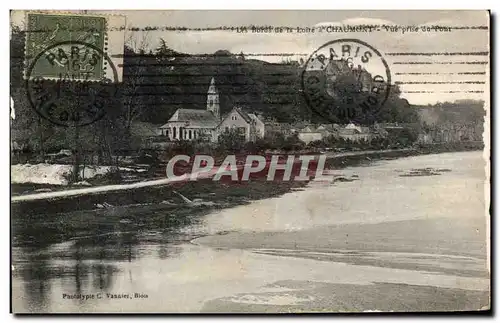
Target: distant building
(424,138)
(329,129)
(379,130)
(336,68)
(273,128)
(309,134)
(297,127)
(341,67)
(195,124)
(354,132)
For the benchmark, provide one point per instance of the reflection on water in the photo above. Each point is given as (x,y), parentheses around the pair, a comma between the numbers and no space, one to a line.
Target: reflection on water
(82,265)
(113,252)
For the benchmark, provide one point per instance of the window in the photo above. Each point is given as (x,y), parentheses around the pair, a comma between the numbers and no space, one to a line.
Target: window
(234,117)
(211,102)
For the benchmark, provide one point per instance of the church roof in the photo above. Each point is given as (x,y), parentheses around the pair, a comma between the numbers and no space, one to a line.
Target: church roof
(196,118)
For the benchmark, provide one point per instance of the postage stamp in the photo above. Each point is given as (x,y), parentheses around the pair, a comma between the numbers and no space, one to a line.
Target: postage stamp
(45,30)
(64,54)
(271,161)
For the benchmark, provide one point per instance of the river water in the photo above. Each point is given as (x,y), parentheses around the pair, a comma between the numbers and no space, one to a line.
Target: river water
(399,235)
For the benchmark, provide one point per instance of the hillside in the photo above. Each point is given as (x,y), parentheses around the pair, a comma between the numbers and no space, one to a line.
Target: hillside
(160,82)
(167,80)
(460,111)
(157,83)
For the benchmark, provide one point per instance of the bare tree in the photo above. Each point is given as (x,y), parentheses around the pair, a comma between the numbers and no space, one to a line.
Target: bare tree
(137,40)
(137,43)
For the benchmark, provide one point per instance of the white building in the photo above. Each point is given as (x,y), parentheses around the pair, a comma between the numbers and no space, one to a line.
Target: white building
(248,125)
(354,132)
(192,124)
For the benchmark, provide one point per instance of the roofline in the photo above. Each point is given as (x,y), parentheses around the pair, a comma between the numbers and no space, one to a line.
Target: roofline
(240,112)
(227,115)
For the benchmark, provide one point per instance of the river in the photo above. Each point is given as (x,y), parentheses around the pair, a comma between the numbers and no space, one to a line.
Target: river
(399,235)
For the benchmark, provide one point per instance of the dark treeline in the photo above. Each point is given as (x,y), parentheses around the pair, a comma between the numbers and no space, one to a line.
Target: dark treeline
(460,111)
(162,81)
(165,80)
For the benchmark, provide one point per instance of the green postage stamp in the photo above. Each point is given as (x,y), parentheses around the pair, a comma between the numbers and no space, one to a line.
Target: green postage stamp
(65,46)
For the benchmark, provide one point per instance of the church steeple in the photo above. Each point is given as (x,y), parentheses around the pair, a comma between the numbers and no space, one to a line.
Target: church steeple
(213,99)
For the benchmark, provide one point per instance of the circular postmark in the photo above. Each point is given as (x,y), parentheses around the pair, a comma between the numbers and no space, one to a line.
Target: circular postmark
(346,80)
(71,93)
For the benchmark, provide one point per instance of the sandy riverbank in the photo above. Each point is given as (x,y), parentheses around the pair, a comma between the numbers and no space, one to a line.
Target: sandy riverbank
(414,242)
(392,238)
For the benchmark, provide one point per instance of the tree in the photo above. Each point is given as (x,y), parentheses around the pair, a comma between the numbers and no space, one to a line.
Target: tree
(231,140)
(135,72)
(293,143)
(163,51)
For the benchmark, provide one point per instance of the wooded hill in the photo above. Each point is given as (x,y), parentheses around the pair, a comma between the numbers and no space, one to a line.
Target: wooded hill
(165,80)
(158,82)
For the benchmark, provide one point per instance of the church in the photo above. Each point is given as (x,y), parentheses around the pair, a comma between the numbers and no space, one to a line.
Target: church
(207,125)
(195,124)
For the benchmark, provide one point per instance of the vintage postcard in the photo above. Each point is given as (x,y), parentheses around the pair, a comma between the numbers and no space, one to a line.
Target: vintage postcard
(239,161)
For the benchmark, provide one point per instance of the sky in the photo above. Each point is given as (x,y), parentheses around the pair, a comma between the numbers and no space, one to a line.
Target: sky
(463,75)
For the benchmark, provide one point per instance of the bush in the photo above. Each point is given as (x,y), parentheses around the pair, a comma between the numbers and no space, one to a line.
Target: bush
(112,176)
(230,140)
